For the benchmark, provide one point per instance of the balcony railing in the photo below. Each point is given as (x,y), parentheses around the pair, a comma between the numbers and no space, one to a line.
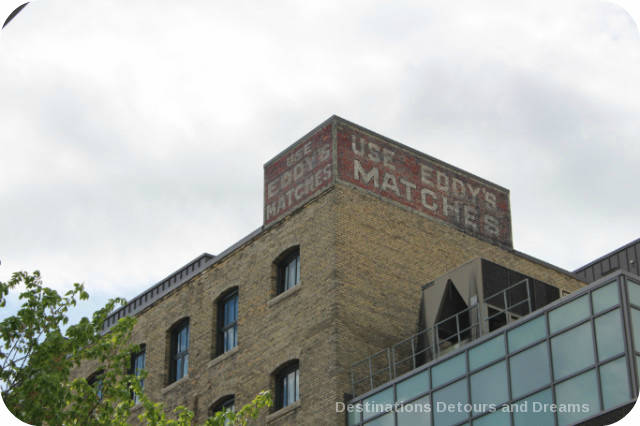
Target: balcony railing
(445,336)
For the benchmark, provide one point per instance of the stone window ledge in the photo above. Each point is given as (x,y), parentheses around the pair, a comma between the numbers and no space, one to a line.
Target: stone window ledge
(222,357)
(283,411)
(284,295)
(175,384)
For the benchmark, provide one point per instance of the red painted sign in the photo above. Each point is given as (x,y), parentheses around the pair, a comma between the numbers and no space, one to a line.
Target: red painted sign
(299,173)
(424,184)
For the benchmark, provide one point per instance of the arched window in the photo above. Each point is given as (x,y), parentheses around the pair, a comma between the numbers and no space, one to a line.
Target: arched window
(227,322)
(226,403)
(179,350)
(288,265)
(137,364)
(287,383)
(95,381)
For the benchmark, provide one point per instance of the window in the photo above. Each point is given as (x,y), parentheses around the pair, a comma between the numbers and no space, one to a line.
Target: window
(227,322)
(179,360)
(287,385)
(95,381)
(289,270)
(137,364)
(226,403)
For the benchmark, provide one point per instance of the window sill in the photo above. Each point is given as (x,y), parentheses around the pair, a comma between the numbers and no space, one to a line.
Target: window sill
(293,290)
(222,357)
(283,411)
(175,384)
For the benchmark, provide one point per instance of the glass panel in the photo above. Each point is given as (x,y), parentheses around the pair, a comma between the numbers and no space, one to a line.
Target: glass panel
(445,410)
(615,383)
(291,386)
(297,385)
(178,368)
(534,410)
(489,387)
(634,292)
(579,397)
(605,297)
(386,420)
(353,418)
(572,351)
(527,333)
(413,386)
(235,308)
(486,352)
(297,269)
(609,335)
(499,418)
(416,413)
(376,403)
(569,314)
(529,370)
(635,325)
(185,365)
(448,370)
(285,391)
(184,339)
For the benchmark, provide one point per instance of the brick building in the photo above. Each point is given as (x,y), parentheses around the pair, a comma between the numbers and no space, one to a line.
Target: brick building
(355,225)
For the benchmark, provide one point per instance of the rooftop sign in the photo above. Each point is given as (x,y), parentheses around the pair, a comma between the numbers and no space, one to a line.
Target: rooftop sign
(390,170)
(297,174)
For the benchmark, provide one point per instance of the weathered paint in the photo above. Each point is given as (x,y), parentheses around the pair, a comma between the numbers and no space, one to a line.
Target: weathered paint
(299,173)
(423,184)
(391,171)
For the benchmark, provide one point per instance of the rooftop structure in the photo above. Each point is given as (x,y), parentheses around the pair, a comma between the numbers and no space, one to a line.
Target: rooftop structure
(369,250)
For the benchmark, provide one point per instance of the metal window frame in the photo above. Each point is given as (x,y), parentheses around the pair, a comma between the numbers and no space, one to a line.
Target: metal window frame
(292,367)
(175,354)
(291,255)
(221,326)
(628,353)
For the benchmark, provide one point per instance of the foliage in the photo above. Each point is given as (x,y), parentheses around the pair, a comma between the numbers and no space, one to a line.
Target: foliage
(37,356)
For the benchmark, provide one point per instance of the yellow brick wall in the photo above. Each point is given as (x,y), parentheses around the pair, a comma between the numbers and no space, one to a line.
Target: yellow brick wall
(363,262)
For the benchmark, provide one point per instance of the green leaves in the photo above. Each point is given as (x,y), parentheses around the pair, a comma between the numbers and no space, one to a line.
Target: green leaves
(37,357)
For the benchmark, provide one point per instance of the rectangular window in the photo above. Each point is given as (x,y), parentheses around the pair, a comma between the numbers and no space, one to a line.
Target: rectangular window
(289,272)
(489,386)
(137,365)
(529,370)
(572,351)
(179,351)
(288,386)
(228,322)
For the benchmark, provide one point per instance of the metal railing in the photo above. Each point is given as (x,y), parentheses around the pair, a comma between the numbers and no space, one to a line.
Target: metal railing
(446,335)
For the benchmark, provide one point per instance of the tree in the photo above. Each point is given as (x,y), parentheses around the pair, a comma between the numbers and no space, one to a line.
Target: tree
(37,356)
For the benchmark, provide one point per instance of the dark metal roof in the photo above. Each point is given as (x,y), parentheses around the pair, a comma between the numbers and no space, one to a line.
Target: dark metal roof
(625,258)
(172,282)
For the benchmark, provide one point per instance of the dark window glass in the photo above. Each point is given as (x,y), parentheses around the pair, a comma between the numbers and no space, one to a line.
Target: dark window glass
(227,403)
(96,381)
(228,322)
(137,364)
(289,271)
(179,351)
(287,385)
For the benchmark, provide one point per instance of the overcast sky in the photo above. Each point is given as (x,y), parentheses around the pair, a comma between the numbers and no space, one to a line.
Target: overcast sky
(133,133)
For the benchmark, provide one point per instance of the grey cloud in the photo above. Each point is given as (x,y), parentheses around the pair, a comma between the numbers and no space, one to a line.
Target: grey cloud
(135,141)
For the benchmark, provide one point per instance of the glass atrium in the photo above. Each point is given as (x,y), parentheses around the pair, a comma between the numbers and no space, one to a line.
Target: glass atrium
(568,362)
